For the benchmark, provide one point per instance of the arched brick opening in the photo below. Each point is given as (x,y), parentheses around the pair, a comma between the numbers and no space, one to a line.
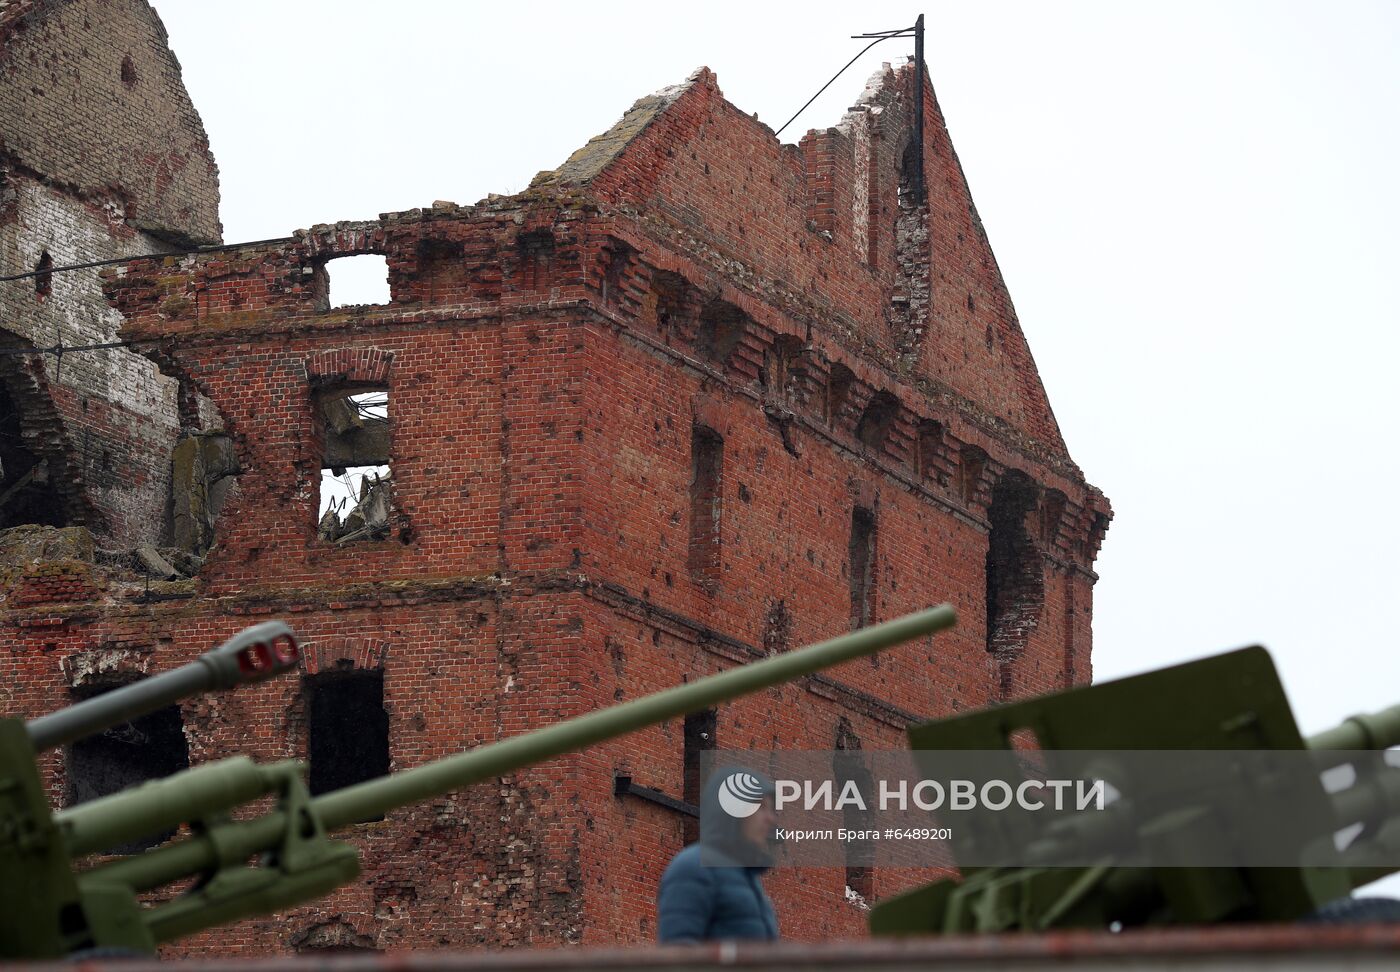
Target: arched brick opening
(347,725)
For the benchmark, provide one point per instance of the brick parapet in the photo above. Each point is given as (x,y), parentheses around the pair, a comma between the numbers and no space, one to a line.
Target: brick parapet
(151,318)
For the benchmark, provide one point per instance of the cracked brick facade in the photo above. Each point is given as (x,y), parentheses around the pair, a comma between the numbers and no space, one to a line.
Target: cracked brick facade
(549,358)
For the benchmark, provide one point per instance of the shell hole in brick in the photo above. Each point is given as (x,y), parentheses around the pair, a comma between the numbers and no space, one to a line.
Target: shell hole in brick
(356,281)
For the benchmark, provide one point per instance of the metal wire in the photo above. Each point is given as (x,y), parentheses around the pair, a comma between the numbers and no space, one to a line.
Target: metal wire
(881,36)
(142,256)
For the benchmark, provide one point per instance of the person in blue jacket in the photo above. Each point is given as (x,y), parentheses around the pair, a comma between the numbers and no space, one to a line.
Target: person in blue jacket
(713,889)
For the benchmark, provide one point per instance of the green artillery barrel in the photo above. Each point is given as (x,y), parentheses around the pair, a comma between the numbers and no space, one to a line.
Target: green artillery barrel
(375,797)
(1378,730)
(163,805)
(1376,801)
(1236,702)
(252,655)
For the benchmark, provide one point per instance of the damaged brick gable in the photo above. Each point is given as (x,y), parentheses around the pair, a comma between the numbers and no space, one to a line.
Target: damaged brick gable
(795,221)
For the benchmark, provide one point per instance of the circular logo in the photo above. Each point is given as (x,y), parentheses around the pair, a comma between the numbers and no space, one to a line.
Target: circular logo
(740,794)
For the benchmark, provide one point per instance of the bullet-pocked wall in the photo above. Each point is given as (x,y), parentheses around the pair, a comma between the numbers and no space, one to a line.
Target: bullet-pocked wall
(693,398)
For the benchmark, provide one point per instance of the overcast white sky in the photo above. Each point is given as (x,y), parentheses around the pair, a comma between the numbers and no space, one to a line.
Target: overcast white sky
(1195,206)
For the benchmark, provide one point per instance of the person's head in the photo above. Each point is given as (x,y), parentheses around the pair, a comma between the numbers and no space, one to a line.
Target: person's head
(737,815)
(758,827)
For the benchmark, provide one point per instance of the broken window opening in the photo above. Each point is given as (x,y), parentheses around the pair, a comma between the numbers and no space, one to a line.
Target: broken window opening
(149,748)
(357,281)
(699,738)
(1015,579)
(706,502)
(203,472)
(356,493)
(43,277)
(348,728)
(862,567)
(27,493)
(849,767)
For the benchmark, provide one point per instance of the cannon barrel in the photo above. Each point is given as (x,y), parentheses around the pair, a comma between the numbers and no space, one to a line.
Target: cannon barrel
(162,805)
(376,797)
(1377,730)
(373,798)
(252,655)
(1235,858)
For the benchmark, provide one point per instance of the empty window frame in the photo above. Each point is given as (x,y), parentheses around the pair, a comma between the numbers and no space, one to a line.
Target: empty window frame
(862,567)
(149,748)
(354,281)
(347,728)
(706,503)
(356,497)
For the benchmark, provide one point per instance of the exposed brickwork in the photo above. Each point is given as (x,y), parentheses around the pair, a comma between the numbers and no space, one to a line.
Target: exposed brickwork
(549,359)
(92,99)
(89,90)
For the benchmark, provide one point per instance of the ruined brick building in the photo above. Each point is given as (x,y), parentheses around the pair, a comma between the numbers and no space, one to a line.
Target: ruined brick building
(694,397)
(101,156)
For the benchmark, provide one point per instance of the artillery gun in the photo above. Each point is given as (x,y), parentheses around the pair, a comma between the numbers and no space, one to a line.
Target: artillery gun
(1213,741)
(49,908)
